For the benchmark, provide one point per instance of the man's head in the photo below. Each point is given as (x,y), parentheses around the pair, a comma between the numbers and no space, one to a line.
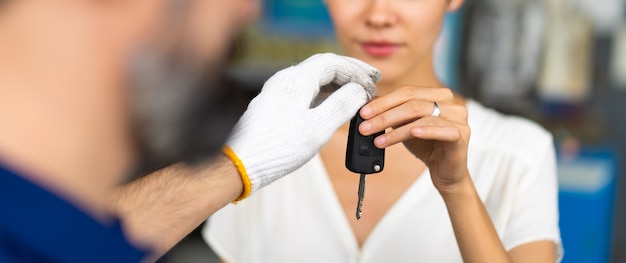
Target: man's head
(183,107)
(79,66)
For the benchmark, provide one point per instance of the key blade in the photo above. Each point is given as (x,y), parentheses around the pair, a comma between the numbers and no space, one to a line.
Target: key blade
(361,194)
(358,209)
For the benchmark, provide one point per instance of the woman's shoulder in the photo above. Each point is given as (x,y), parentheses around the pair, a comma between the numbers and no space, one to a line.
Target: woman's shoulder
(505,134)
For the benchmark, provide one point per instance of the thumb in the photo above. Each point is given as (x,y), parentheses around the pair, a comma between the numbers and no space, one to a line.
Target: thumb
(341,106)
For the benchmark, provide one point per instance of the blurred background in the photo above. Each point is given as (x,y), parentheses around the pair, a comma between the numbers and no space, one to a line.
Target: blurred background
(561,63)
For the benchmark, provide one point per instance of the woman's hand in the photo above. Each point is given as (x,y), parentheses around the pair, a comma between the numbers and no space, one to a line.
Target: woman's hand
(440,142)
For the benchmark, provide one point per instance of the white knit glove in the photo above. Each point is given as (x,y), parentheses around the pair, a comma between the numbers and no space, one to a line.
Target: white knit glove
(281,131)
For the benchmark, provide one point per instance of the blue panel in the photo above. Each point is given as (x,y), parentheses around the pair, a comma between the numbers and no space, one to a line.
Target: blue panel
(297,17)
(586,198)
(448,50)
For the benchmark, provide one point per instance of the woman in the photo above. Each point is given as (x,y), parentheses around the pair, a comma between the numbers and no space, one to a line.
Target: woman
(441,198)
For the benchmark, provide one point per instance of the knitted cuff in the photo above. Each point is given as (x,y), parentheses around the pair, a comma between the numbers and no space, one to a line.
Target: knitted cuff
(247,184)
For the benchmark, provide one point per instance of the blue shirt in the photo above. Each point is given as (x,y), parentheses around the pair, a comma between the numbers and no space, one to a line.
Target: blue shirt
(38,226)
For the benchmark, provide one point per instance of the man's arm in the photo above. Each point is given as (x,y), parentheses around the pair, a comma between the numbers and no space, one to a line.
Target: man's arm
(162,208)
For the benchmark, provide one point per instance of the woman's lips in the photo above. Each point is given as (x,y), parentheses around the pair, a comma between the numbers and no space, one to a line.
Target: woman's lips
(380,49)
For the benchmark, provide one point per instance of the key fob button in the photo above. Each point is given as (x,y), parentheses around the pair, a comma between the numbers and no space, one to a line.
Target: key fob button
(362,156)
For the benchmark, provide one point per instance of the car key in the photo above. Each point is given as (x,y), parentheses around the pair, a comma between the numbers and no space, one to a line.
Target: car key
(363,157)
(360,194)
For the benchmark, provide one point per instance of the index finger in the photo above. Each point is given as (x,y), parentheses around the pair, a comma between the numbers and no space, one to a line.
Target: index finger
(400,96)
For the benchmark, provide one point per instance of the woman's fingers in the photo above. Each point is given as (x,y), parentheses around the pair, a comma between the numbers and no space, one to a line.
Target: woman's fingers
(404,113)
(438,133)
(453,111)
(401,96)
(411,111)
(427,128)
(408,110)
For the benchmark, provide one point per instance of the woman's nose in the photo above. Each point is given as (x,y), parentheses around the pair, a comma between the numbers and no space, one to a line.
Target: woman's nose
(380,13)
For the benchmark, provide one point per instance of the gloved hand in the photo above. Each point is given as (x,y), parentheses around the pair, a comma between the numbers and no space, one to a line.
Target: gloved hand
(281,130)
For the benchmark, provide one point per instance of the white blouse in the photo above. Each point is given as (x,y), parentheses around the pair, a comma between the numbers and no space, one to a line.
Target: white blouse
(299,218)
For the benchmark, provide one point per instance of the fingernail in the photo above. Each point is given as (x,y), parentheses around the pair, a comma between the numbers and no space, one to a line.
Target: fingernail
(417,130)
(366,126)
(380,140)
(366,111)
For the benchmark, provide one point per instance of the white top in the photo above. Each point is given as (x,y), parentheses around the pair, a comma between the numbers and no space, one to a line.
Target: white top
(299,218)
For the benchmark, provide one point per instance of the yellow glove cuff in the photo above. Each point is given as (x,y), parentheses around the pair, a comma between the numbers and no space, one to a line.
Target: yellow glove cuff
(247,184)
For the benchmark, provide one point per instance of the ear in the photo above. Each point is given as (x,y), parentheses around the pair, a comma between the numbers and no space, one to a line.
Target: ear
(454,5)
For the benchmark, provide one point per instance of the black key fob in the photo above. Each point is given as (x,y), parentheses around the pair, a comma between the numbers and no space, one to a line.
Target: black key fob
(362,156)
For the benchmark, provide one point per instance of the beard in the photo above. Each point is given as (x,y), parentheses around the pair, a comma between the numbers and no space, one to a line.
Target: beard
(183,111)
